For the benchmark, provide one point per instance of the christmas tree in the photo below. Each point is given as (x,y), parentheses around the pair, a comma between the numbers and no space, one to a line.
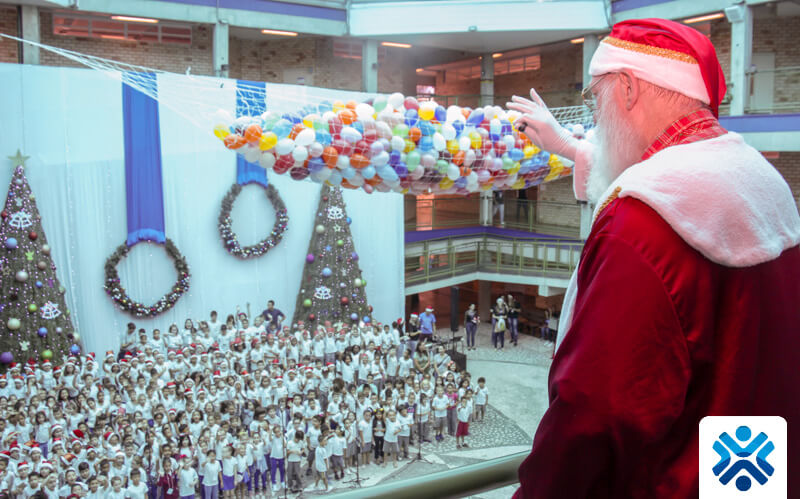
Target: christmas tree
(332,288)
(34,318)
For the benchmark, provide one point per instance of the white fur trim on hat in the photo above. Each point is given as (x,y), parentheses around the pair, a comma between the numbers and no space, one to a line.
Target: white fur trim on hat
(666,72)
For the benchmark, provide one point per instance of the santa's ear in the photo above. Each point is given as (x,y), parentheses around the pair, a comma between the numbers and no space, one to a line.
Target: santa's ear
(629,84)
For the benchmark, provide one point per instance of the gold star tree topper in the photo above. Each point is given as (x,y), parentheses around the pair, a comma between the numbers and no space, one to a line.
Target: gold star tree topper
(18,160)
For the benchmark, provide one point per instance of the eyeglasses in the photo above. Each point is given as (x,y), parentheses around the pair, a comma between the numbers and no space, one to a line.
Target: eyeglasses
(588,95)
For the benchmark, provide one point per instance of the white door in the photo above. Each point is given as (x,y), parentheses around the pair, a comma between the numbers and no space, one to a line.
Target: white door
(763,83)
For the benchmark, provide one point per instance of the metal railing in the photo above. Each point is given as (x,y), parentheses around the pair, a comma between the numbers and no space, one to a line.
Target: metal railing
(545,217)
(450,257)
(785,88)
(458,482)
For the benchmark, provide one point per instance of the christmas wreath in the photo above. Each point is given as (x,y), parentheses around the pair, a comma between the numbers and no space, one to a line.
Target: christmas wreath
(128,304)
(229,238)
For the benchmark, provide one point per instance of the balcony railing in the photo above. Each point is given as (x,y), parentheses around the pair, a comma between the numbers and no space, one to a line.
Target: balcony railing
(458,482)
(450,257)
(544,217)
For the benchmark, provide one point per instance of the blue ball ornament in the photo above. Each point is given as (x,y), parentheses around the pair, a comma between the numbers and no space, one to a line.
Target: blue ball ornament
(354,256)
(42,332)
(354,316)
(39,284)
(349,220)
(74,349)
(326,272)
(366,319)
(11,243)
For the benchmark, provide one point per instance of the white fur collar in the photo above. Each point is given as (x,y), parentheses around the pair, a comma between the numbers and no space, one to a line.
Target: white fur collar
(721,196)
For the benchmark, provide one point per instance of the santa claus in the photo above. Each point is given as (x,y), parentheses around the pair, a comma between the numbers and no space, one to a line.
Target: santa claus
(686,302)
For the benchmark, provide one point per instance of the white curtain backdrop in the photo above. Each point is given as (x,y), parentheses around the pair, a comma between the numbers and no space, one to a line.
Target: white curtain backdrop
(70,122)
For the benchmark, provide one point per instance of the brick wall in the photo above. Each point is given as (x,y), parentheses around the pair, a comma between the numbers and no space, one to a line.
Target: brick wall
(564,214)
(788,164)
(8,24)
(174,58)
(561,69)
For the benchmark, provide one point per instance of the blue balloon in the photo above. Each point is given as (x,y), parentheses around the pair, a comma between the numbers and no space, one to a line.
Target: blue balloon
(475,117)
(505,128)
(459,126)
(358,126)
(412,118)
(324,137)
(494,136)
(349,172)
(315,165)
(401,170)
(388,174)
(425,143)
(540,159)
(516,154)
(282,128)
(292,118)
(461,182)
(394,158)
(324,107)
(368,172)
(426,128)
(440,114)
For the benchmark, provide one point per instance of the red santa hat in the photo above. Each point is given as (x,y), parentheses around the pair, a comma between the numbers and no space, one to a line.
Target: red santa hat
(46,464)
(665,53)
(429,308)
(23,465)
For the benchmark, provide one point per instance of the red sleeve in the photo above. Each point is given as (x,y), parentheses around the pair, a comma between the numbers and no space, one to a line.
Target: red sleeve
(617,382)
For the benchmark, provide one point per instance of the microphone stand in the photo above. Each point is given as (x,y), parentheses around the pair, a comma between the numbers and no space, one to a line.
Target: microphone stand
(418,458)
(357,480)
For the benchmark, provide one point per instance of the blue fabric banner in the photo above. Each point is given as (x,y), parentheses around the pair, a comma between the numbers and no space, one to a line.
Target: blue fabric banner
(251,100)
(143,188)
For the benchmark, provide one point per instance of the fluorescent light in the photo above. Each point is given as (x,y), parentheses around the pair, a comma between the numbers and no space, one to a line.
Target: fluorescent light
(419,70)
(135,19)
(496,55)
(113,37)
(398,45)
(278,32)
(576,41)
(709,17)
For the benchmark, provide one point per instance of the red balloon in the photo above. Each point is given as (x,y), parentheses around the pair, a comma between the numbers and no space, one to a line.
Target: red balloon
(362,148)
(486,146)
(370,135)
(500,148)
(283,164)
(299,172)
(335,125)
(343,147)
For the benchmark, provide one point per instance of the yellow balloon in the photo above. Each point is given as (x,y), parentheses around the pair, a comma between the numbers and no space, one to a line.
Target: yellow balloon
(338,106)
(267,141)
(308,121)
(426,112)
(514,169)
(519,184)
(221,131)
(475,140)
(452,146)
(487,186)
(446,183)
(410,146)
(529,151)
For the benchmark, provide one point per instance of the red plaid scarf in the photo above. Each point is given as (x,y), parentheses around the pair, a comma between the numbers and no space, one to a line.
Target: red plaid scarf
(695,126)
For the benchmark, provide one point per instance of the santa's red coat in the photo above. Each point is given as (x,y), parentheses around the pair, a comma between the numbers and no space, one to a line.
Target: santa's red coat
(662,336)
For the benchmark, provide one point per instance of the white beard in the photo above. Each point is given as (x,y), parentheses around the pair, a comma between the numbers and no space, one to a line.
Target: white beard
(614,152)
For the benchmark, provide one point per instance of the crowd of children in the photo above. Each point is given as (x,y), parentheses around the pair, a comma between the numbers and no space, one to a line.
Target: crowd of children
(228,410)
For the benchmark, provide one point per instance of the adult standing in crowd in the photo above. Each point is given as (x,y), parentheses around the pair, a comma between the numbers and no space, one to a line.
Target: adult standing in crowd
(273,316)
(513,318)
(412,330)
(694,251)
(499,320)
(427,324)
(471,321)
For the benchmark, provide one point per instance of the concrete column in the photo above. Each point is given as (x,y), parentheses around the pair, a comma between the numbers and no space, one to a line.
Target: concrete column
(30,31)
(590,43)
(485,300)
(487,79)
(741,19)
(586,219)
(369,66)
(221,49)
(486,208)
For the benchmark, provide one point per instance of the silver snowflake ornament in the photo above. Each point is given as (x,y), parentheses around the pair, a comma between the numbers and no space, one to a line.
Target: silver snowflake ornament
(323,293)
(23,345)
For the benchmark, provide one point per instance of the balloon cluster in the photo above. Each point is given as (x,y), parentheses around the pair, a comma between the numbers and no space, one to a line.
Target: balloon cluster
(394,143)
